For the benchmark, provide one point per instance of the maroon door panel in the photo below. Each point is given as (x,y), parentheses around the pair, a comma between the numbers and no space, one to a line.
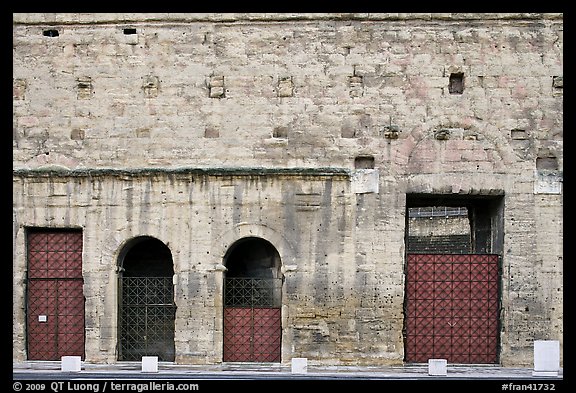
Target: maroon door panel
(237,334)
(452,308)
(70,318)
(267,334)
(55,298)
(252,334)
(42,321)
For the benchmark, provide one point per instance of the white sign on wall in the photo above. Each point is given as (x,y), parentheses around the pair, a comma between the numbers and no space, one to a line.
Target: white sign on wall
(548,183)
(365,181)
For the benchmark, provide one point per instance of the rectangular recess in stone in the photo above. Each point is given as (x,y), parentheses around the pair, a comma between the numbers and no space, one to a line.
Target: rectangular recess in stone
(216,86)
(280,132)
(84,87)
(364,162)
(355,81)
(546,163)
(518,133)
(456,83)
(151,86)
(307,201)
(130,35)
(58,189)
(356,84)
(211,132)
(558,82)
(348,131)
(18,89)
(50,33)
(77,134)
(143,132)
(558,85)
(391,132)
(285,87)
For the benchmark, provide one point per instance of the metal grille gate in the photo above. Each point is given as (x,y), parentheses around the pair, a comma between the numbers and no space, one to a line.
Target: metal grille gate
(452,307)
(55,298)
(147,315)
(252,320)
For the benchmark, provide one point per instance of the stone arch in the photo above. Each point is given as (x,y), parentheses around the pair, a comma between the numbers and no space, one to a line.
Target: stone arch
(252,295)
(470,131)
(118,243)
(252,257)
(146,306)
(55,161)
(245,230)
(156,244)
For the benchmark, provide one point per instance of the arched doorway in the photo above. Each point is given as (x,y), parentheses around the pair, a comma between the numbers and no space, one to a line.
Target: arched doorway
(146,300)
(252,302)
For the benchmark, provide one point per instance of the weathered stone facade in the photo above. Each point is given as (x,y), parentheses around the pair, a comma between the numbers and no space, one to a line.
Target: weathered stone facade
(311,131)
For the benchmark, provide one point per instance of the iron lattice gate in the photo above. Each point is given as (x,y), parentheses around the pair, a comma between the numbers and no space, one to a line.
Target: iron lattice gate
(252,320)
(147,315)
(55,297)
(452,308)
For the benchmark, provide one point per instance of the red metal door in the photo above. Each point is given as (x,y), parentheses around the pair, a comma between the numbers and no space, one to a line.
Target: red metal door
(252,334)
(452,308)
(267,334)
(55,298)
(252,320)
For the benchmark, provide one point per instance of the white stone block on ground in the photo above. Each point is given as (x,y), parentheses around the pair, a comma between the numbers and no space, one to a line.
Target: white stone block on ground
(546,358)
(70,363)
(149,364)
(437,366)
(299,365)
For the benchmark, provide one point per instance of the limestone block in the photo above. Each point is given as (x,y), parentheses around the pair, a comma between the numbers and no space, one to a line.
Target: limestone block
(299,365)
(149,364)
(546,358)
(71,363)
(437,366)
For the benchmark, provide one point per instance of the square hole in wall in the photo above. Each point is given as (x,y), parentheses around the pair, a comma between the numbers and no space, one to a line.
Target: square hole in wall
(456,83)
(50,33)
(364,162)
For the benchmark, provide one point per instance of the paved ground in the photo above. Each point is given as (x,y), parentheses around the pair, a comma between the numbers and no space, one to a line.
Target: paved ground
(277,371)
(272,378)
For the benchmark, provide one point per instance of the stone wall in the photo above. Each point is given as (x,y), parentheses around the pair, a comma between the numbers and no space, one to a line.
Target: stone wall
(121,119)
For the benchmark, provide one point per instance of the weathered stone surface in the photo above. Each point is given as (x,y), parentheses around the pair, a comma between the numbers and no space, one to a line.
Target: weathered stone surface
(202,129)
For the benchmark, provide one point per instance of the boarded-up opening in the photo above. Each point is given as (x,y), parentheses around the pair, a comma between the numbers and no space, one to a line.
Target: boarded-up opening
(146,305)
(252,302)
(55,298)
(453,260)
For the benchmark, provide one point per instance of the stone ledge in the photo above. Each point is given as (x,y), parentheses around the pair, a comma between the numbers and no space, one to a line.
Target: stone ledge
(123,18)
(247,171)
